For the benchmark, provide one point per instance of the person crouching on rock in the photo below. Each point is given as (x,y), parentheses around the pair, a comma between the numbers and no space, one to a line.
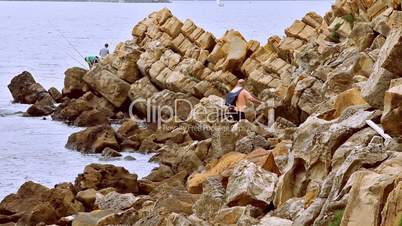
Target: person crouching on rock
(92,60)
(237,100)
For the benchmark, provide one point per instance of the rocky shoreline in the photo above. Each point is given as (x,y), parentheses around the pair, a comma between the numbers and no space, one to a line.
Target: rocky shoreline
(323,149)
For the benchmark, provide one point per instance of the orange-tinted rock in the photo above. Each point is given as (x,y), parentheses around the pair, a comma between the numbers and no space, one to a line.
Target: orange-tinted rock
(226,162)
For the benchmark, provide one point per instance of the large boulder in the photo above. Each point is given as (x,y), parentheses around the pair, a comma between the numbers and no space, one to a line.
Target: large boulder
(362,35)
(126,57)
(87,110)
(98,176)
(211,200)
(40,110)
(115,201)
(384,70)
(74,85)
(264,159)
(25,89)
(92,218)
(55,94)
(351,97)
(369,191)
(393,59)
(167,104)
(274,221)
(226,162)
(108,84)
(250,184)
(392,113)
(139,93)
(209,110)
(316,138)
(237,215)
(392,211)
(44,105)
(93,139)
(230,52)
(34,203)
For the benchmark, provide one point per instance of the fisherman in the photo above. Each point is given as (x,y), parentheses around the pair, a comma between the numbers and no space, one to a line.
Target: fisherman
(237,100)
(104,51)
(92,60)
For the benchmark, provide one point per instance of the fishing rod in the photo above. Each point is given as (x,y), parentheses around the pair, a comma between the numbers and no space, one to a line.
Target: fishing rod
(61,34)
(72,57)
(75,59)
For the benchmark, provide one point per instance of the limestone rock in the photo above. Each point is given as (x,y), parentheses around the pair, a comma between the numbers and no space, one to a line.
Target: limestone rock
(368,191)
(34,203)
(109,152)
(251,142)
(290,209)
(125,217)
(128,128)
(175,219)
(378,82)
(301,30)
(211,200)
(160,173)
(43,213)
(87,197)
(209,110)
(227,161)
(391,213)
(313,19)
(40,109)
(93,139)
(249,184)
(365,198)
(129,158)
(92,117)
(108,85)
(392,111)
(307,94)
(126,57)
(274,221)
(115,201)
(362,35)
(327,134)
(92,218)
(237,215)
(223,141)
(87,110)
(178,135)
(74,85)
(341,27)
(99,176)
(55,94)
(139,93)
(169,104)
(264,159)
(346,99)
(393,45)
(233,49)
(24,88)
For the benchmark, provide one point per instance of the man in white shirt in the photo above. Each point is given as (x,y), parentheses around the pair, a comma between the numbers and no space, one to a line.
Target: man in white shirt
(104,51)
